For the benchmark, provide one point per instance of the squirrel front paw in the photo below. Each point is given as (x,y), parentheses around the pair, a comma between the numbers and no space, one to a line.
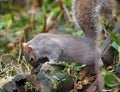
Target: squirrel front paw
(46,66)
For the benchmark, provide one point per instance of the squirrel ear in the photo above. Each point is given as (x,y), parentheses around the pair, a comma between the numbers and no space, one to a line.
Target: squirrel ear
(29,48)
(24,44)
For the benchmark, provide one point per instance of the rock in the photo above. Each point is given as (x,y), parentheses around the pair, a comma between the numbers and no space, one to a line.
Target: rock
(52,79)
(14,84)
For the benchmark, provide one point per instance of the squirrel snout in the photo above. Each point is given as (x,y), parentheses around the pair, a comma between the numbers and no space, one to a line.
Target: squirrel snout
(32,58)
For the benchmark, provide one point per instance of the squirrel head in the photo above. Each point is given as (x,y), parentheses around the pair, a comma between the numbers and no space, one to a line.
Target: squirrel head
(29,53)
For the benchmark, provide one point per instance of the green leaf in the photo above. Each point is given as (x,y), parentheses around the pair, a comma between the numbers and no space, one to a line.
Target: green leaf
(110,79)
(2,25)
(78,33)
(116,46)
(115,38)
(28,85)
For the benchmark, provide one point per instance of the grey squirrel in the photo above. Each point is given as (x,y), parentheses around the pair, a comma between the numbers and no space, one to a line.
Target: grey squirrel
(59,47)
(72,48)
(83,50)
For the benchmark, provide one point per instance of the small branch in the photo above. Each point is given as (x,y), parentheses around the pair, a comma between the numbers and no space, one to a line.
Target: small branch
(64,10)
(54,22)
(49,19)
(44,26)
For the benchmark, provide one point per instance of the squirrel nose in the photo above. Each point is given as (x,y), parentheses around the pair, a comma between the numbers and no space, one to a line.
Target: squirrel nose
(32,58)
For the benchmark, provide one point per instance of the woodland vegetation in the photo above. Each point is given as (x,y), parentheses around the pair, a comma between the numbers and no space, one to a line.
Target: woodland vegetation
(21,20)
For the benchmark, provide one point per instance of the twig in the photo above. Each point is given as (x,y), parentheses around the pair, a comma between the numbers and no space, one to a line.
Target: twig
(54,22)
(44,26)
(48,21)
(64,10)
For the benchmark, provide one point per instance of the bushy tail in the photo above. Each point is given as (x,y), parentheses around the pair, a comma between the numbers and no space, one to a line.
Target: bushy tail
(86,14)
